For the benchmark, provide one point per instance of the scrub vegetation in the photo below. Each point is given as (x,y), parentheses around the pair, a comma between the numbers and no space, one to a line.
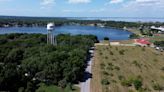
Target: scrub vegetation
(127,69)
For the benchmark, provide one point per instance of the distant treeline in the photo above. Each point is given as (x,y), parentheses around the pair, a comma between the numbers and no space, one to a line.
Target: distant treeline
(26,60)
(9,21)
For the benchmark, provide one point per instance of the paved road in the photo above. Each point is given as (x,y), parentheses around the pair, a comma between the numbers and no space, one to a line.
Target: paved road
(85,86)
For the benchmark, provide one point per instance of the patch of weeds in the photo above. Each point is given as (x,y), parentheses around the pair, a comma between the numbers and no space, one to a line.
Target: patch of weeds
(121,52)
(120,77)
(137,82)
(105,82)
(143,49)
(136,64)
(111,53)
(117,68)
(111,74)
(126,83)
(155,60)
(158,87)
(162,68)
(113,59)
(116,48)
(109,68)
(102,65)
(106,57)
(105,73)
(114,81)
(131,90)
(110,64)
(100,53)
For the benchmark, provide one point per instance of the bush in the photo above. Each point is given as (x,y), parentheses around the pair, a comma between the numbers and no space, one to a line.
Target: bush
(121,52)
(137,84)
(105,73)
(158,87)
(102,65)
(106,57)
(105,82)
(162,68)
(117,68)
(134,36)
(106,38)
(111,53)
(126,83)
(136,64)
(62,83)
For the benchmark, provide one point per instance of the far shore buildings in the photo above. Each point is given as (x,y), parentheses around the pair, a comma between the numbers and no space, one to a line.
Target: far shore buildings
(157,29)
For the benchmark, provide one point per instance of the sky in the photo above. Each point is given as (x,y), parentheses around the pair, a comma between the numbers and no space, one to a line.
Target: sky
(83,8)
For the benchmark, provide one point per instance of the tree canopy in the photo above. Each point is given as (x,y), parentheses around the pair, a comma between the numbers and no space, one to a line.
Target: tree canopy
(26,60)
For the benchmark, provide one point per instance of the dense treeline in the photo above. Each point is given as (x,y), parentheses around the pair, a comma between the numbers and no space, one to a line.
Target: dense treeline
(26,60)
(42,21)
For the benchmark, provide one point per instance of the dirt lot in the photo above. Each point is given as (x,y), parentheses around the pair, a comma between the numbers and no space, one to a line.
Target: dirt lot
(127,69)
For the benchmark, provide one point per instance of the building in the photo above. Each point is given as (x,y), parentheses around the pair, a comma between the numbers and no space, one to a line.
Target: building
(157,29)
(142,42)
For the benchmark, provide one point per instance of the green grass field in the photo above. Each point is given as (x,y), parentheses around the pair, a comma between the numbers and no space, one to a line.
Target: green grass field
(128,69)
(52,88)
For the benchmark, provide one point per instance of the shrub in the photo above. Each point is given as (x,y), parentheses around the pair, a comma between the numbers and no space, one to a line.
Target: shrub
(120,77)
(121,52)
(137,84)
(134,36)
(106,38)
(126,83)
(156,86)
(105,82)
(111,53)
(62,83)
(106,57)
(110,64)
(110,68)
(105,73)
(155,60)
(143,49)
(111,74)
(136,64)
(162,68)
(102,65)
(117,68)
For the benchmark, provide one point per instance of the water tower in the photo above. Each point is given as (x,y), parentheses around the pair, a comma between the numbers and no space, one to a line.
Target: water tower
(50,36)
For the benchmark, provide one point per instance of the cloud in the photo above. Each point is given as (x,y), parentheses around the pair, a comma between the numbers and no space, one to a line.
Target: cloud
(97,10)
(116,1)
(78,1)
(152,4)
(73,11)
(47,4)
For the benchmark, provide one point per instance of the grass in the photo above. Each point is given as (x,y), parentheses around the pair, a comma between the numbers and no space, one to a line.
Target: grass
(52,88)
(157,38)
(127,69)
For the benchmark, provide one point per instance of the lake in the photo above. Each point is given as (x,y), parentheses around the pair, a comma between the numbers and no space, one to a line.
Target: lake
(113,34)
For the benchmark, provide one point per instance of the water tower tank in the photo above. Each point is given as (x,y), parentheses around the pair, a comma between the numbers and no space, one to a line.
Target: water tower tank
(50,26)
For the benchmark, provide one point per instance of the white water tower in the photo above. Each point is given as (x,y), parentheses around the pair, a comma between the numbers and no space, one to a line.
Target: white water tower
(50,36)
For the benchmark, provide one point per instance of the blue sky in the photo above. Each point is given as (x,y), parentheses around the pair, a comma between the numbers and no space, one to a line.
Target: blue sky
(83,8)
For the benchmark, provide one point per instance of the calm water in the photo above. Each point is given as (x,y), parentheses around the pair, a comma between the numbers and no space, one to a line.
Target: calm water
(113,34)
